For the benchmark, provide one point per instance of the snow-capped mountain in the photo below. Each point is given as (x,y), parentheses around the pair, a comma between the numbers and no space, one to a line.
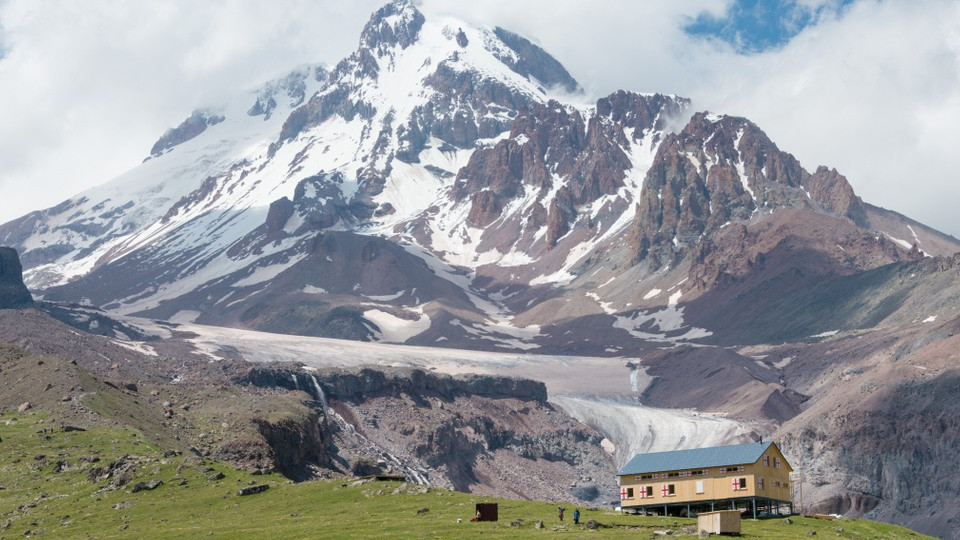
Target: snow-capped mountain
(447,184)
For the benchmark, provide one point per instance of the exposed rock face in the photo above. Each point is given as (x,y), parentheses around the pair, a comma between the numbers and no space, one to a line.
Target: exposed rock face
(194,125)
(877,439)
(552,141)
(396,23)
(297,443)
(13,293)
(720,170)
(532,60)
(320,202)
(293,87)
(714,171)
(481,434)
(831,189)
(346,385)
(280,211)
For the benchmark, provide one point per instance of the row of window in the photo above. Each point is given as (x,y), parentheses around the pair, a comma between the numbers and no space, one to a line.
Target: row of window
(667,490)
(646,492)
(722,470)
(776,483)
(776,461)
(682,474)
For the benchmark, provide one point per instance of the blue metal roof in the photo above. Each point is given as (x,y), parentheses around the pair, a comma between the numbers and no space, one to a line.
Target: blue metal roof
(696,458)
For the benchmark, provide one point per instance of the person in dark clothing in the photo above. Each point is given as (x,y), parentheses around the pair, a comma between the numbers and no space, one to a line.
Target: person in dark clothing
(560,510)
(576,516)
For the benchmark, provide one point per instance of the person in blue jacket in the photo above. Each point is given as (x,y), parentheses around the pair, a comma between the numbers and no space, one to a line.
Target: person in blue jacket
(576,516)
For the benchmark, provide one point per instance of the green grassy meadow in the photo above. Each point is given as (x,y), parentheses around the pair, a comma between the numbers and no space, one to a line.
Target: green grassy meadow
(47,490)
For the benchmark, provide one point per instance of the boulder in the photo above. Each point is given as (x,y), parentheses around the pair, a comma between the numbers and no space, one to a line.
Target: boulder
(146,486)
(250,490)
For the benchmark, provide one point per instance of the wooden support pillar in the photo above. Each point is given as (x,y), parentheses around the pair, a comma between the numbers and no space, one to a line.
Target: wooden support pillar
(711,506)
(754,501)
(688,509)
(664,510)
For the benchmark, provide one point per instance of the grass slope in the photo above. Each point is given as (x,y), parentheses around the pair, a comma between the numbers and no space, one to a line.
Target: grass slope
(45,489)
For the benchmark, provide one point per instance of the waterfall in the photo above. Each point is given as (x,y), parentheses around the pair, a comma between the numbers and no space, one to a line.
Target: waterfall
(320,395)
(296,383)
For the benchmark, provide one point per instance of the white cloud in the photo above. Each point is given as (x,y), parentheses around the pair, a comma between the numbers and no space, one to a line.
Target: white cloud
(874,94)
(87,87)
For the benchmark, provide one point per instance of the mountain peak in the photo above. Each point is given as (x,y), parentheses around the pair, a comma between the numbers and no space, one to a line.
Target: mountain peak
(396,23)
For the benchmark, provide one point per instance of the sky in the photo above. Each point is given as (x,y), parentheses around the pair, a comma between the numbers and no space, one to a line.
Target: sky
(871,87)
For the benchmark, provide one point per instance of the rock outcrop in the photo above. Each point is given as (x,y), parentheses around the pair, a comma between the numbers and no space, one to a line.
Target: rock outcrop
(194,125)
(13,293)
(477,433)
(357,385)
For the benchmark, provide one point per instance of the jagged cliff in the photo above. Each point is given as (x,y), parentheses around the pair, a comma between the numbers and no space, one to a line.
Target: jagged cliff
(477,433)
(13,293)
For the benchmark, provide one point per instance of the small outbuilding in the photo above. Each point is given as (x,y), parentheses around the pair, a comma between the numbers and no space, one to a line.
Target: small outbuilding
(719,522)
(487,512)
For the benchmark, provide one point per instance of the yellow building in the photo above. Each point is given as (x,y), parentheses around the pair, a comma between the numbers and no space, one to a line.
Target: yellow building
(753,477)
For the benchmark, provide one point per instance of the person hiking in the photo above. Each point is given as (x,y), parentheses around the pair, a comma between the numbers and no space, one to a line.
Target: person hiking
(576,516)
(560,510)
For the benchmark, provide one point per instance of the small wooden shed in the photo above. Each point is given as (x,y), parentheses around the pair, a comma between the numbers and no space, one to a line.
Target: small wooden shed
(488,512)
(719,522)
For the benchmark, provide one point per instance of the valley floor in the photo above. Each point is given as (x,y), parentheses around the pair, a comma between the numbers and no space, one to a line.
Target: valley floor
(63,483)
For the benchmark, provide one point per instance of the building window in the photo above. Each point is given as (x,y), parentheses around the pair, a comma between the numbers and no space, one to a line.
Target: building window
(731,469)
(766,461)
(667,490)
(643,477)
(739,483)
(776,462)
(646,491)
(626,493)
(699,486)
(759,483)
